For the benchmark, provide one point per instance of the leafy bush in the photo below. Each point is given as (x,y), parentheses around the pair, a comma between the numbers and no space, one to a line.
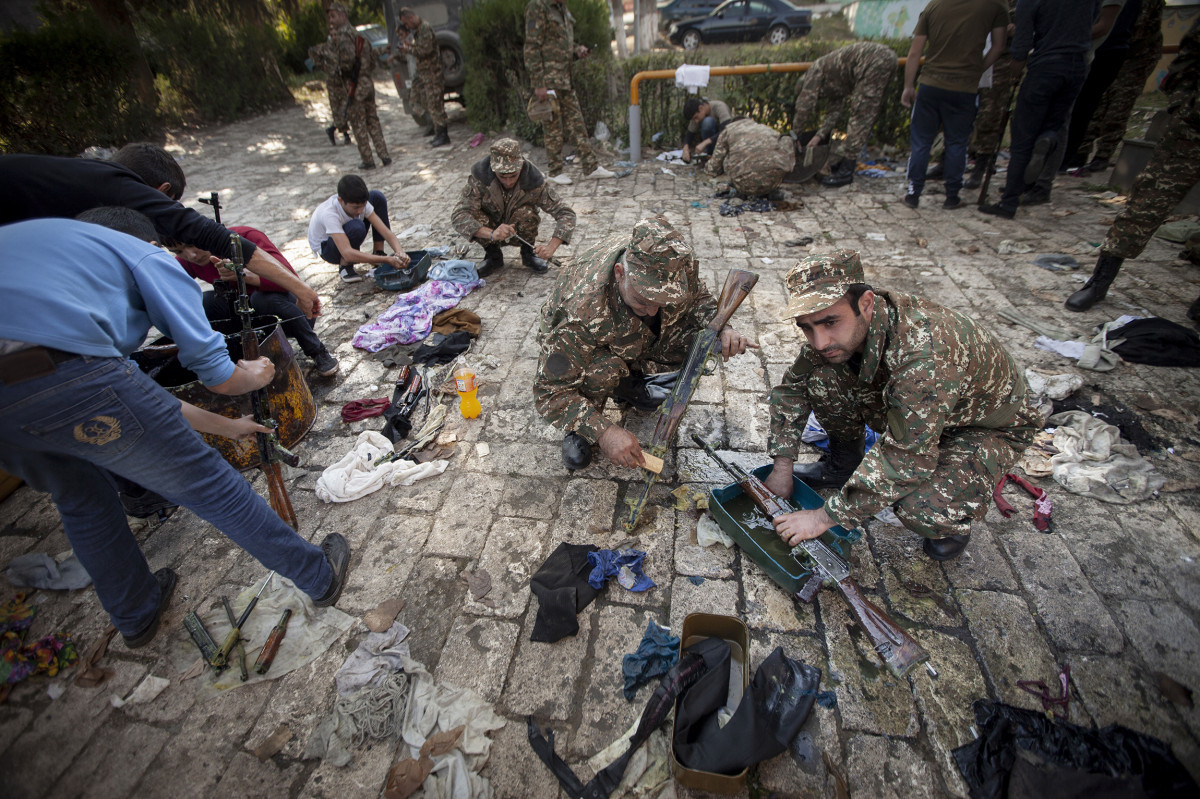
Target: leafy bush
(497,85)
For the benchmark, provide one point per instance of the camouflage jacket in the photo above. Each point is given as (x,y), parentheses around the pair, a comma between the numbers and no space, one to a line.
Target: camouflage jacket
(1183,76)
(932,370)
(585,317)
(484,202)
(425,50)
(834,76)
(343,47)
(549,44)
(753,156)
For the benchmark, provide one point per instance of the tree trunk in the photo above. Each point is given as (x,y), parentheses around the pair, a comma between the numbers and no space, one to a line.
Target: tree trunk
(617,13)
(645,25)
(114,15)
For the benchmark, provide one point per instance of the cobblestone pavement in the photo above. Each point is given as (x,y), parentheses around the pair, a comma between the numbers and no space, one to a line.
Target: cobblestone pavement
(1114,590)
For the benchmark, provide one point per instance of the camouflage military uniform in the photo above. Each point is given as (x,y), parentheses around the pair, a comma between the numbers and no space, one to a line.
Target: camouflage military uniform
(860,72)
(1107,128)
(989,121)
(590,338)
(549,53)
(1174,167)
(754,157)
(322,55)
(949,402)
(428,86)
(486,203)
(361,110)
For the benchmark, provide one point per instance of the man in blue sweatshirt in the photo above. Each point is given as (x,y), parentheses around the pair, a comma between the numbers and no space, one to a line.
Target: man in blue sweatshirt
(74,408)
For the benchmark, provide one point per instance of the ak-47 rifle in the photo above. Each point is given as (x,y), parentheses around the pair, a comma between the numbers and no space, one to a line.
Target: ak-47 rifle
(271,452)
(895,647)
(221,288)
(707,344)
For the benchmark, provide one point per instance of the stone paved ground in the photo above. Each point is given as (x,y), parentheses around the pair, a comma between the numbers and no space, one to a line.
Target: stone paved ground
(1113,590)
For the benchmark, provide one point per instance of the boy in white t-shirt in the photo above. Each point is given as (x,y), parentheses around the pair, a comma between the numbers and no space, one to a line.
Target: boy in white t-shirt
(339,227)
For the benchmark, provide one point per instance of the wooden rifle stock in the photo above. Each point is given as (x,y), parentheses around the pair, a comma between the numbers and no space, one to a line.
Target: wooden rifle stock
(269,452)
(738,284)
(895,647)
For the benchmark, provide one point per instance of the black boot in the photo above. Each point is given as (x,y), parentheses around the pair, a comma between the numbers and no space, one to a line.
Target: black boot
(329,131)
(576,452)
(493,259)
(947,548)
(346,136)
(530,259)
(835,467)
(842,174)
(983,164)
(1107,267)
(441,138)
(1193,311)
(645,392)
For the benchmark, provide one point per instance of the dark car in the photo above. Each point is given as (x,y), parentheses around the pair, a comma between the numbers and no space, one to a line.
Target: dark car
(743,21)
(671,10)
(443,15)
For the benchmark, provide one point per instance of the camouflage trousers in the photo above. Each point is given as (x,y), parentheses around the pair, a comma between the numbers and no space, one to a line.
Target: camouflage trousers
(337,103)
(568,124)
(427,96)
(604,370)
(865,102)
(1107,128)
(989,122)
(1173,170)
(365,121)
(971,460)
(525,219)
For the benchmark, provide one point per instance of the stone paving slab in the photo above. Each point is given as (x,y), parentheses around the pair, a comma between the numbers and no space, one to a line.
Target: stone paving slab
(1112,589)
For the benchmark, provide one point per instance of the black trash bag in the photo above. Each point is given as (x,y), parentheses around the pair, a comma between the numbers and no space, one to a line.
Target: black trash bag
(1022,754)
(1157,342)
(779,698)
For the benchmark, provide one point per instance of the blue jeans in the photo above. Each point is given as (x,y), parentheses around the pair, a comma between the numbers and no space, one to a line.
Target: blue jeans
(1043,107)
(709,129)
(65,431)
(356,230)
(954,114)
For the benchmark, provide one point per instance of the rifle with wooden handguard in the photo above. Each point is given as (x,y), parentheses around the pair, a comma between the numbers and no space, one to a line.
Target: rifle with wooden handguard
(895,647)
(707,345)
(271,452)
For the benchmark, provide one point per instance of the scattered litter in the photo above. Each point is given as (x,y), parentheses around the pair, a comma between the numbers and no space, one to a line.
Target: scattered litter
(1042,506)
(708,532)
(479,582)
(416,232)
(654,657)
(624,564)
(39,570)
(1053,386)
(970,249)
(56,689)
(146,691)
(1094,461)
(921,242)
(482,450)
(89,675)
(687,497)
(767,261)
(1067,349)
(1056,262)
(380,619)
(666,171)
(694,580)
(926,273)
(562,589)
(1009,246)
(276,740)
(1175,692)
(670,156)
(803,241)
(1035,462)
(827,699)
(876,237)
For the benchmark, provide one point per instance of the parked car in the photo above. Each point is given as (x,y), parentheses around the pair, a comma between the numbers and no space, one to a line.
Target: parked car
(743,21)
(443,15)
(671,10)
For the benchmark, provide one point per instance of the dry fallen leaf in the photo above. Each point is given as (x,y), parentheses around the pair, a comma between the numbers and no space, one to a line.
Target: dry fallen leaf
(383,615)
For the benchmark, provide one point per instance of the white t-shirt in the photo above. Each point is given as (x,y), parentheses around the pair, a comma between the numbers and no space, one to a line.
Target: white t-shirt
(329,218)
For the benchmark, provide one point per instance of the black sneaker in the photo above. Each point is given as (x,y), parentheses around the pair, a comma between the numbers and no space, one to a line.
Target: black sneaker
(912,200)
(1035,196)
(952,201)
(325,364)
(166,586)
(367,165)
(349,275)
(385,161)
(995,209)
(337,553)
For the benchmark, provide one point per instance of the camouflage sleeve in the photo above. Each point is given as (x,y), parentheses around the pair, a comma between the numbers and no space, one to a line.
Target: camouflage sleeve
(919,397)
(834,114)
(566,351)
(468,215)
(716,163)
(535,63)
(425,42)
(563,215)
(806,100)
(789,410)
(343,53)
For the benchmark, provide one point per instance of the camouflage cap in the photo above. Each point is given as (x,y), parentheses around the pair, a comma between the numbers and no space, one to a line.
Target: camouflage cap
(656,261)
(507,156)
(337,7)
(820,281)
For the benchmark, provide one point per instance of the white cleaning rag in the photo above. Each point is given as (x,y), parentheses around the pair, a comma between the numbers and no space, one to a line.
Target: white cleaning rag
(356,474)
(692,77)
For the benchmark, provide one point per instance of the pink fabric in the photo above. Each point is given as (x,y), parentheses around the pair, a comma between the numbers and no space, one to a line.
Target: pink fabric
(411,316)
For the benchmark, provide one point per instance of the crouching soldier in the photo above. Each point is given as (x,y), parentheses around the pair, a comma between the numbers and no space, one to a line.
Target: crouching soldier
(754,157)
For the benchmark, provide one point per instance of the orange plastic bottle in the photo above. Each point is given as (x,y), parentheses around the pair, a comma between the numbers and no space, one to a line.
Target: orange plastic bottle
(464,383)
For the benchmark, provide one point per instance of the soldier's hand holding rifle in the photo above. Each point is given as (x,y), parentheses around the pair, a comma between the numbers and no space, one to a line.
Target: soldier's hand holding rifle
(734,343)
(802,525)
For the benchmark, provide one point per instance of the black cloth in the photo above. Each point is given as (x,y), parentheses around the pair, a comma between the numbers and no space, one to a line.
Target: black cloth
(1053,29)
(40,186)
(1022,754)
(562,589)
(1157,342)
(281,305)
(766,720)
(445,350)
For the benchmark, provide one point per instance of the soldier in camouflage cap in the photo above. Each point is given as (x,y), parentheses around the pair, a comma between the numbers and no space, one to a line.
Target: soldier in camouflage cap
(623,313)
(353,60)
(500,203)
(949,403)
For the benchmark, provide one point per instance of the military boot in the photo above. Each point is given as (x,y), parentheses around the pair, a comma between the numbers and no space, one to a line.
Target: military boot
(329,131)
(835,467)
(945,548)
(1096,288)
(346,136)
(576,452)
(842,173)
(493,259)
(441,138)
(983,166)
(530,259)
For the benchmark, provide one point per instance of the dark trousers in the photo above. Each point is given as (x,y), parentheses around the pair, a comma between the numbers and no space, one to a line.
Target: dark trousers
(356,230)
(709,129)
(954,114)
(1043,105)
(268,303)
(1104,70)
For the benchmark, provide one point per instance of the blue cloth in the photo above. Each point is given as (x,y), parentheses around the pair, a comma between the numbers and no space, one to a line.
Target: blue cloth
(89,290)
(953,113)
(655,656)
(815,434)
(454,271)
(64,432)
(624,564)
(356,229)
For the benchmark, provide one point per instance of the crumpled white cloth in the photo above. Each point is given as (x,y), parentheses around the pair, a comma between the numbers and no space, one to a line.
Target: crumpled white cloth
(356,474)
(1093,460)
(691,76)
(376,657)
